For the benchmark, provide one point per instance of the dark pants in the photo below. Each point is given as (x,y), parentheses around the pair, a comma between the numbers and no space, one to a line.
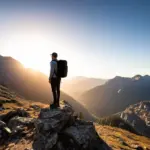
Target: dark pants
(55,85)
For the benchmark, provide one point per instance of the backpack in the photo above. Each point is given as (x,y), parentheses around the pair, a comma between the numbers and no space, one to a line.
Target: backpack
(62,68)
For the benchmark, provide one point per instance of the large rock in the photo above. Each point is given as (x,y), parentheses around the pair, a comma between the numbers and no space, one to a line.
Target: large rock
(58,129)
(54,120)
(20,121)
(49,124)
(12,126)
(82,135)
(12,114)
(4,132)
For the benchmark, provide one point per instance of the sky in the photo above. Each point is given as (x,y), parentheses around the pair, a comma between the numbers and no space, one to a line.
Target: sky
(98,38)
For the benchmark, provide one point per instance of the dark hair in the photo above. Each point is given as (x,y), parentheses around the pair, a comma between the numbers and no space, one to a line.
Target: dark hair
(55,55)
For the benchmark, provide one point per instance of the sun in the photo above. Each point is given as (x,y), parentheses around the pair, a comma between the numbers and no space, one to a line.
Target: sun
(33,49)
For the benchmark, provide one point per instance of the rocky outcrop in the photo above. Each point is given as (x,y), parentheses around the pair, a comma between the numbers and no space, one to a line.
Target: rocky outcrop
(54,129)
(138,116)
(59,129)
(13,125)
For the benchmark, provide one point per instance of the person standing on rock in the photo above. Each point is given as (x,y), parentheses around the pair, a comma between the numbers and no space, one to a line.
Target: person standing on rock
(58,70)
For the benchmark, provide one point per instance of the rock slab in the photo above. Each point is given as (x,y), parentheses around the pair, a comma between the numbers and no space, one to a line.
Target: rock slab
(59,129)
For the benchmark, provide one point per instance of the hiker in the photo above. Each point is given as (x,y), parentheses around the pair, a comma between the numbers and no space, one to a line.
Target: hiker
(58,70)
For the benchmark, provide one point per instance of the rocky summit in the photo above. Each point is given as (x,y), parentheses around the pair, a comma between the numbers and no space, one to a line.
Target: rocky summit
(60,129)
(53,129)
(138,116)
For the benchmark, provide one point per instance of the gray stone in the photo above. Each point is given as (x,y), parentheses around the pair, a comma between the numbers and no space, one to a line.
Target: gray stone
(85,137)
(58,129)
(12,114)
(52,140)
(20,121)
(53,120)
(4,132)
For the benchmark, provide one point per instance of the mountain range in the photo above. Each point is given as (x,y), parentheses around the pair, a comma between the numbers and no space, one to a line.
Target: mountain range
(116,95)
(76,86)
(32,85)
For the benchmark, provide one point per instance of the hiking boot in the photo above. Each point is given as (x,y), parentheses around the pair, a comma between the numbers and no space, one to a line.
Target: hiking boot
(57,105)
(53,106)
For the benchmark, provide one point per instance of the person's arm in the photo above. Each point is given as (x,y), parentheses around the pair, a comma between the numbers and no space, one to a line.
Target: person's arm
(52,68)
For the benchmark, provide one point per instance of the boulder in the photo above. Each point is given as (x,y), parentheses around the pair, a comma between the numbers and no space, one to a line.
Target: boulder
(83,136)
(49,124)
(12,114)
(20,121)
(54,120)
(4,132)
(59,129)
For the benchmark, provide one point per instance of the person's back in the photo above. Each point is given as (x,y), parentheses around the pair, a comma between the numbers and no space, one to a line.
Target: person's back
(53,71)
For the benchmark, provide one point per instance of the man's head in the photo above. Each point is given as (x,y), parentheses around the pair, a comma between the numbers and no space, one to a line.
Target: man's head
(54,56)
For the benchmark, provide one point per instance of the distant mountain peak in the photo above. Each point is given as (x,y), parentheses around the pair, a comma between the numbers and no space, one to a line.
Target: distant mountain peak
(147,76)
(8,58)
(137,77)
(117,77)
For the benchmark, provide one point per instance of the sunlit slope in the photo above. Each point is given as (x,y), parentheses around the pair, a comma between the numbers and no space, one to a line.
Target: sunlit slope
(31,85)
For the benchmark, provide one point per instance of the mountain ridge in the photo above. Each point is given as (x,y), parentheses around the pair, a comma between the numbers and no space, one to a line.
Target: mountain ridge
(116,94)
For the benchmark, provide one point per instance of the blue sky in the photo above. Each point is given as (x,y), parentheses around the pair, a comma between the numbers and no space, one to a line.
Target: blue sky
(99,38)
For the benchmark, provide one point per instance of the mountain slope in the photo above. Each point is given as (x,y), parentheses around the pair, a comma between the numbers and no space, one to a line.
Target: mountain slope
(116,94)
(135,119)
(78,85)
(31,85)
(119,139)
(138,116)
